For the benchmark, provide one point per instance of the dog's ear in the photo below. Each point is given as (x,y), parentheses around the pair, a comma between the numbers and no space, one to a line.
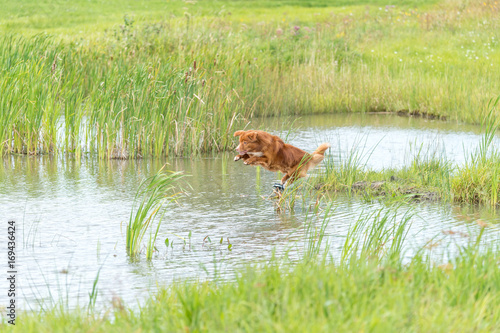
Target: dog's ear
(238,133)
(252,137)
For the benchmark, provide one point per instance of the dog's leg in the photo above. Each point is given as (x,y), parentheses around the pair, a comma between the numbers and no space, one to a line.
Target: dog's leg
(281,187)
(284,179)
(239,156)
(290,177)
(255,160)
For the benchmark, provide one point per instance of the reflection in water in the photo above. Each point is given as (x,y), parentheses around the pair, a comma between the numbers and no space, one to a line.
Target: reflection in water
(71,214)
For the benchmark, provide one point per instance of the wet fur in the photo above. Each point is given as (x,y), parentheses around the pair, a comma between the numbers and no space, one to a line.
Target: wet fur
(277,155)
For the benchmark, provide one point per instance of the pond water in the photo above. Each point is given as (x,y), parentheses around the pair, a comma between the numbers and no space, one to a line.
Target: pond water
(71,214)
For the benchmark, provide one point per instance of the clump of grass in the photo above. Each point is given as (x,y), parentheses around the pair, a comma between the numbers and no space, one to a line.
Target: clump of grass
(342,171)
(151,196)
(428,175)
(377,236)
(428,167)
(478,181)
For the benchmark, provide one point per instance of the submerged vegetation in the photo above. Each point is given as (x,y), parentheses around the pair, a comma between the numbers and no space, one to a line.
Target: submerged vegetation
(176,78)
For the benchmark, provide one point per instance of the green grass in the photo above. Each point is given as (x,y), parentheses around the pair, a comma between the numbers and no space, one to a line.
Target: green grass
(426,178)
(478,181)
(372,287)
(128,79)
(80,16)
(151,78)
(150,200)
(428,175)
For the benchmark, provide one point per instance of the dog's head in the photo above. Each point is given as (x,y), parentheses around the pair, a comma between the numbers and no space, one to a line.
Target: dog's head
(253,142)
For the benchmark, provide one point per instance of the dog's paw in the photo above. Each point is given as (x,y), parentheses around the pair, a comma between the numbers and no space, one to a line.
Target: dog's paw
(279,187)
(237,158)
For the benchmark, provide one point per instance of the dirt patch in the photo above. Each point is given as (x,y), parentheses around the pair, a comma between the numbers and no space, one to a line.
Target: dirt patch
(412,193)
(364,184)
(420,114)
(408,113)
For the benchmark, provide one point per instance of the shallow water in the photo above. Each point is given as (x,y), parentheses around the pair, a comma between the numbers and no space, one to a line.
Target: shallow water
(71,214)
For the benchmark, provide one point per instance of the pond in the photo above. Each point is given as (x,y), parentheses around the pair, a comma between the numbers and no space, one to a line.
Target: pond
(71,214)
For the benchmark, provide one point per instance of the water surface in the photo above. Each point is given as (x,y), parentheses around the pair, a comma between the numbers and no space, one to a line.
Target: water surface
(71,214)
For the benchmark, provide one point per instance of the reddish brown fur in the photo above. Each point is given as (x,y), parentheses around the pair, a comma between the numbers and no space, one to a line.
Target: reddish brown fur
(277,155)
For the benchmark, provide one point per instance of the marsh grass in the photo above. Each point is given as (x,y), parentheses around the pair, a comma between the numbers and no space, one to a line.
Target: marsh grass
(181,85)
(377,236)
(373,286)
(350,167)
(153,193)
(95,292)
(478,181)
(314,231)
(428,174)
(284,200)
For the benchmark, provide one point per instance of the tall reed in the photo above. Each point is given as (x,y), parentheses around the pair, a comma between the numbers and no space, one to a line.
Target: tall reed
(182,85)
(153,193)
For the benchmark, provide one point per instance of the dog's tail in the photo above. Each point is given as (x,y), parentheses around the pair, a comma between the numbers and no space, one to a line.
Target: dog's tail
(317,156)
(321,149)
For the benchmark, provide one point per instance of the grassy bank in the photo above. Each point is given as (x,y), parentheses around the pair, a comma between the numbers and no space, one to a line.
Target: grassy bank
(178,78)
(372,286)
(428,176)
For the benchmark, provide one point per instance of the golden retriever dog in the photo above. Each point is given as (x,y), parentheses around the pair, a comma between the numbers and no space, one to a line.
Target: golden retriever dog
(270,152)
